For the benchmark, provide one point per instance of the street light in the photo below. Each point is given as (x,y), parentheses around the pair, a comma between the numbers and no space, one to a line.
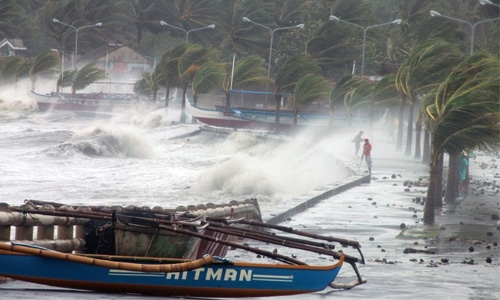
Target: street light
(187,31)
(365,29)
(76,38)
(484,2)
(271,31)
(472,26)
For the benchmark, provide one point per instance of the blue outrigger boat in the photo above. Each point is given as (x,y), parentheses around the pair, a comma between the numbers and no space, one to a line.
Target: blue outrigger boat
(207,276)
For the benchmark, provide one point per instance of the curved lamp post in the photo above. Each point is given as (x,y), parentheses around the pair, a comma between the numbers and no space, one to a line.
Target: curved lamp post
(365,29)
(471,25)
(186,32)
(76,38)
(484,2)
(271,31)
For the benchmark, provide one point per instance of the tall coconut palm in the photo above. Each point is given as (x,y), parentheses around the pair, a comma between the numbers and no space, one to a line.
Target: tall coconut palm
(385,96)
(189,64)
(465,115)
(87,75)
(168,67)
(66,79)
(46,64)
(426,66)
(247,72)
(151,81)
(208,77)
(339,92)
(294,68)
(309,88)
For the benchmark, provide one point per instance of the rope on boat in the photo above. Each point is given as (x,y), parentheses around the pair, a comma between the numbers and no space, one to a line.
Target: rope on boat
(176,267)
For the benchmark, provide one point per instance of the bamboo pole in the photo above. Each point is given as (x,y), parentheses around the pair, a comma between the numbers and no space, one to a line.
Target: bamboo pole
(178,267)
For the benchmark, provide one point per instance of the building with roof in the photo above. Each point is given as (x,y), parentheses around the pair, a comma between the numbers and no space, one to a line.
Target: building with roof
(121,62)
(12,47)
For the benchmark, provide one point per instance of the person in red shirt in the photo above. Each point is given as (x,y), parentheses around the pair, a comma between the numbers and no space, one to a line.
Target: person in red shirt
(367,148)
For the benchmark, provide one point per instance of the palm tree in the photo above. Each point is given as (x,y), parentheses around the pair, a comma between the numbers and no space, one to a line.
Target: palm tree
(247,72)
(309,88)
(426,66)
(339,92)
(85,76)
(465,115)
(385,96)
(295,68)
(168,68)
(66,78)
(10,13)
(46,64)
(188,65)
(150,83)
(208,77)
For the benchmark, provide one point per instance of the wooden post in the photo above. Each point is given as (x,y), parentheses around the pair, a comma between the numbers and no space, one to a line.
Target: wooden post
(24,233)
(45,232)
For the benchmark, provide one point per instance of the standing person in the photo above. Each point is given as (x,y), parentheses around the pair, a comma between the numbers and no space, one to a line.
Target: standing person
(367,148)
(357,142)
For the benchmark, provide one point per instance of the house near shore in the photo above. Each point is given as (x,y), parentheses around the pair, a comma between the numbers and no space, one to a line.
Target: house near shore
(12,47)
(120,62)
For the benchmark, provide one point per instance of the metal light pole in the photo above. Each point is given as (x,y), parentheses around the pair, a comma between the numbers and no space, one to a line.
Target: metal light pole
(186,32)
(472,26)
(365,29)
(76,38)
(484,2)
(271,32)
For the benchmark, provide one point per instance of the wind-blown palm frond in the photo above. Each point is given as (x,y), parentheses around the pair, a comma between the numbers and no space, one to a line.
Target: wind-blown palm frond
(294,68)
(47,63)
(66,78)
(209,76)
(465,114)
(248,71)
(9,67)
(309,88)
(192,60)
(86,76)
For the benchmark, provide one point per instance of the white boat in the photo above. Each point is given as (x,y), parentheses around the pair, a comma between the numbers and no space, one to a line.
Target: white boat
(91,102)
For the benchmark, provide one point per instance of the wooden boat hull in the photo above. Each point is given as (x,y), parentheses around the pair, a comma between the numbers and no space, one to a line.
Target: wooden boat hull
(220,279)
(88,102)
(255,119)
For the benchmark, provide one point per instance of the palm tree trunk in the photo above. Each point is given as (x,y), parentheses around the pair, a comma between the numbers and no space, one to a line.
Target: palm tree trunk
(277,97)
(167,95)
(195,103)
(426,151)
(399,141)
(409,131)
(418,134)
(431,190)
(438,198)
(295,113)
(452,182)
(183,104)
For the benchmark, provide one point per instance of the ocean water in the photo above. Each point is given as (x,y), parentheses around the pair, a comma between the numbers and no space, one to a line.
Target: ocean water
(146,158)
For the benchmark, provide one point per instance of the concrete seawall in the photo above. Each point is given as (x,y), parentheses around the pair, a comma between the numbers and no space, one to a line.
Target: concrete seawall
(351,182)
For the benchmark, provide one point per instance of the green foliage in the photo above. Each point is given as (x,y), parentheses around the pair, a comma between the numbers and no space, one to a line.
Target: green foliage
(295,67)
(248,71)
(466,111)
(208,77)
(87,75)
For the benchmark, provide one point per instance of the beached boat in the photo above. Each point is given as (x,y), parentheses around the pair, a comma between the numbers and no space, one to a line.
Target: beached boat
(98,230)
(92,102)
(260,119)
(205,277)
